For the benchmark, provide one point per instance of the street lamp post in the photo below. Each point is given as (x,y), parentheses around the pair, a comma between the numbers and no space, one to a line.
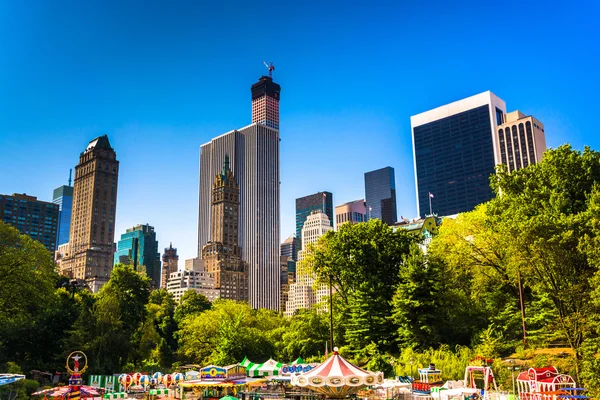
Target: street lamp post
(411,376)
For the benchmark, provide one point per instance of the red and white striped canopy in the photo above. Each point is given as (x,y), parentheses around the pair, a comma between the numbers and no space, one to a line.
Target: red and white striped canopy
(337,377)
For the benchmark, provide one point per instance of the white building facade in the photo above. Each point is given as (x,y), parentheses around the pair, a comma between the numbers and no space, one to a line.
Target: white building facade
(302,294)
(194,277)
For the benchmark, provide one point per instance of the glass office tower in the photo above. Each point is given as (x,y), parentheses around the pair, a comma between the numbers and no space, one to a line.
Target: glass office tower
(63,196)
(455,152)
(380,195)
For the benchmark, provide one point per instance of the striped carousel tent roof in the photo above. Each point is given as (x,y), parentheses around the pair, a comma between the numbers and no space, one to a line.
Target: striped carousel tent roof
(268,368)
(337,377)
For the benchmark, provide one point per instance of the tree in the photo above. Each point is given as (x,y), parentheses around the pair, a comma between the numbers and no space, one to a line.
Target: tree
(118,311)
(157,343)
(305,336)
(27,285)
(191,303)
(428,310)
(363,261)
(547,210)
(227,333)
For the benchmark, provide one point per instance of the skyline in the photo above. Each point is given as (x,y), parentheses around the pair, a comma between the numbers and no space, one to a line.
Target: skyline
(65,80)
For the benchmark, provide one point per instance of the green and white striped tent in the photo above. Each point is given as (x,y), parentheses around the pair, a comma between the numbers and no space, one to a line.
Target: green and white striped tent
(102,381)
(116,395)
(155,392)
(268,368)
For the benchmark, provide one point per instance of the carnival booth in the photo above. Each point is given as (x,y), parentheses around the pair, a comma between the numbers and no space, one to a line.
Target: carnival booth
(481,377)
(542,383)
(337,378)
(76,390)
(428,378)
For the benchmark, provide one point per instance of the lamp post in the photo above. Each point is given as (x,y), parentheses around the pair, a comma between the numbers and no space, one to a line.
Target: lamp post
(411,376)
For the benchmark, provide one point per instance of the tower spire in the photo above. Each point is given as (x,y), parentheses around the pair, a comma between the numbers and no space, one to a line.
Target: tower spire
(70,172)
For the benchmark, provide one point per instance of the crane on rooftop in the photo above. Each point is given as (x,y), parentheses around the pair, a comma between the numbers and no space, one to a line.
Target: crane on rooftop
(271,68)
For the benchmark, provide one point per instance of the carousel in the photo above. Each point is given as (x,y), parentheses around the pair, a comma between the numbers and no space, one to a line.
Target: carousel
(76,389)
(337,378)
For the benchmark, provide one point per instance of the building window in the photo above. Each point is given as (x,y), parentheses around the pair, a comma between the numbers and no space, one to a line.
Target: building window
(499,116)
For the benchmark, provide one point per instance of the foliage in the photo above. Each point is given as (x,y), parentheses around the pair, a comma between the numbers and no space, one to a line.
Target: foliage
(428,310)
(227,333)
(305,335)
(28,301)
(118,311)
(546,210)
(363,261)
(191,303)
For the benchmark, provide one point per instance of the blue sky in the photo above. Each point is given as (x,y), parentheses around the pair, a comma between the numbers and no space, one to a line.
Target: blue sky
(162,78)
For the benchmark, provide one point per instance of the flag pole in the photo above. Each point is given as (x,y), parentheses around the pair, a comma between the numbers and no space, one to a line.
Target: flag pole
(430,210)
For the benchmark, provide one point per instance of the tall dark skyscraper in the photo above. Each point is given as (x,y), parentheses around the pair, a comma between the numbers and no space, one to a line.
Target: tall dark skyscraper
(63,196)
(138,247)
(380,195)
(170,264)
(32,217)
(322,201)
(254,161)
(222,256)
(91,240)
(456,149)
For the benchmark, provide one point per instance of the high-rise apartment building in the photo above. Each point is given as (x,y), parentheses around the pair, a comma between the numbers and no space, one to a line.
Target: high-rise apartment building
(321,201)
(380,195)
(222,257)
(254,161)
(193,277)
(522,140)
(455,149)
(63,196)
(138,247)
(91,240)
(32,217)
(302,294)
(170,261)
(352,212)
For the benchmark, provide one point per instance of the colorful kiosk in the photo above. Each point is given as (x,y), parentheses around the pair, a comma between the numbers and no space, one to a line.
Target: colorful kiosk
(429,378)
(543,384)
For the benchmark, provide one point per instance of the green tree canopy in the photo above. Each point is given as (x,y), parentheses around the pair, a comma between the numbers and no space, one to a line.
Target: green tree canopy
(363,261)
(27,286)
(191,303)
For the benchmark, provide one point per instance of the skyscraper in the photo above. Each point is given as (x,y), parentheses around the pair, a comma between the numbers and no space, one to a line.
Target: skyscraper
(321,201)
(254,161)
(63,196)
(91,240)
(32,217)
(138,247)
(302,294)
(289,248)
(170,264)
(455,149)
(352,212)
(222,257)
(522,140)
(380,195)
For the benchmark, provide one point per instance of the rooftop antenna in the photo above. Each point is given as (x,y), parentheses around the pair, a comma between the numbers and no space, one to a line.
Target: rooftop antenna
(271,68)
(70,172)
